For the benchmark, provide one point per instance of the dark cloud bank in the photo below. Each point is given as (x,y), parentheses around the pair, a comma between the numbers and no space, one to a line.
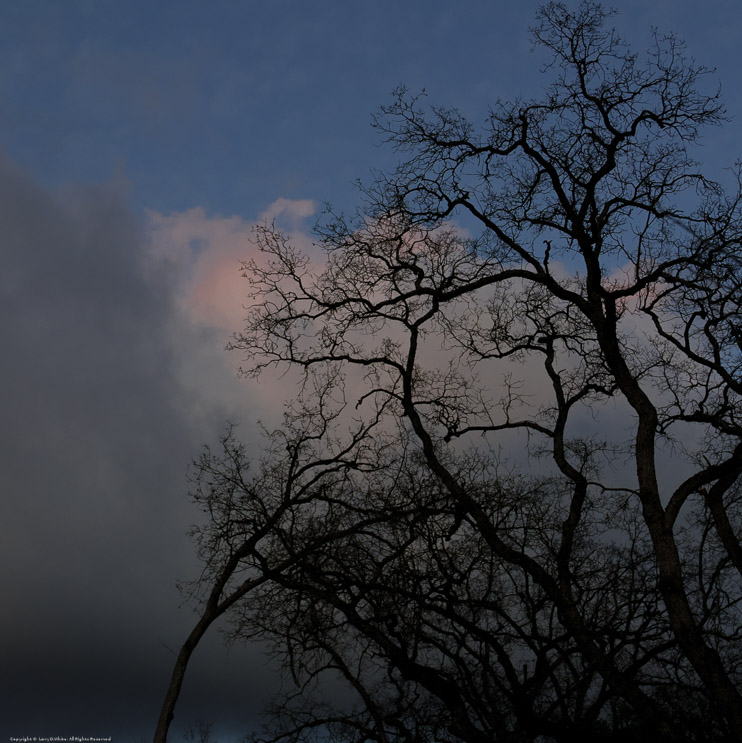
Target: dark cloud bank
(96,437)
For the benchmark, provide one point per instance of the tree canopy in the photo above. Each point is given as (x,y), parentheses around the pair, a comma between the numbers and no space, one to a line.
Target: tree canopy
(505,504)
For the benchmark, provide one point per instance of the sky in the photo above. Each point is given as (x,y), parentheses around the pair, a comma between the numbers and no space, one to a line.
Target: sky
(139,143)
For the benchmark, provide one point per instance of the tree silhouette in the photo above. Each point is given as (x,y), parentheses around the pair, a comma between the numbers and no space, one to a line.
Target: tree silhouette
(506,503)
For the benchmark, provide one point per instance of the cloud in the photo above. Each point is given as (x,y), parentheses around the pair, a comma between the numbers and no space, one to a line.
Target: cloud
(201,256)
(205,254)
(294,209)
(108,391)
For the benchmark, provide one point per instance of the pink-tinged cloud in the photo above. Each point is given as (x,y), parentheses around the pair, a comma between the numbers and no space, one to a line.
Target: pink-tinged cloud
(205,254)
(202,257)
(292,209)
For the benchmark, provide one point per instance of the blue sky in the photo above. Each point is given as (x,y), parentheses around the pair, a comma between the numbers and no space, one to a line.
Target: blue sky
(139,141)
(229,105)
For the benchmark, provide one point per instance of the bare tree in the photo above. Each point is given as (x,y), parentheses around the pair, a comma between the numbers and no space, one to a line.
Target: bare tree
(507,501)
(199,732)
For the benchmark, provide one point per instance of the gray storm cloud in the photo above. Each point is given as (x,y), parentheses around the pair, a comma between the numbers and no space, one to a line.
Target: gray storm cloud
(96,435)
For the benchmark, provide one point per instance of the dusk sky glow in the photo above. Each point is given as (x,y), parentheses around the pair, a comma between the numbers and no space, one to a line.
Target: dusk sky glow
(139,144)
